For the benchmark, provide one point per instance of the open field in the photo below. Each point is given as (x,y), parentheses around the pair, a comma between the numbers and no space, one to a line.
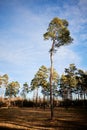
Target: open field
(38,119)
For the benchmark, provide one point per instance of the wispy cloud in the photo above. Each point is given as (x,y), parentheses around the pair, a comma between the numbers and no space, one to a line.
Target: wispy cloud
(64,57)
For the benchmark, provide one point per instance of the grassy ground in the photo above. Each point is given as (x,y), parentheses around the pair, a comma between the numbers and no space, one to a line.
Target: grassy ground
(38,119)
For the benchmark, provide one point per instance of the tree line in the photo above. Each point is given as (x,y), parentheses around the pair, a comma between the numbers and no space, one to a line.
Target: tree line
(72,84)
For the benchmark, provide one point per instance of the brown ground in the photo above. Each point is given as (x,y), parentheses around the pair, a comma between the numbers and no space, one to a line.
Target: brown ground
(38,119)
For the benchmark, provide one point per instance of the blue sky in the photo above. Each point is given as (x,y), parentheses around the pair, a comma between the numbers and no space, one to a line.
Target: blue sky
(22,46)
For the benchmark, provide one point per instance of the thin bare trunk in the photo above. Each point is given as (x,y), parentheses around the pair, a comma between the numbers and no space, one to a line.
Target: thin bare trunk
(51,77)
(78,94)
(36,97)
(84,94)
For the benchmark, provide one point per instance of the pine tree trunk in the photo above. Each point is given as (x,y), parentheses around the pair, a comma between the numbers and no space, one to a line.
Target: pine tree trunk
(51,77)
(78,94)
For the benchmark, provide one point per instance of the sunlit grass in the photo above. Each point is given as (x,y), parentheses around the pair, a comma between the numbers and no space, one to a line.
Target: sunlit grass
(38,119)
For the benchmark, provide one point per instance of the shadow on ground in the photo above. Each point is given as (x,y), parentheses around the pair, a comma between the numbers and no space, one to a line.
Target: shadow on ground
(4,128)
(32,119)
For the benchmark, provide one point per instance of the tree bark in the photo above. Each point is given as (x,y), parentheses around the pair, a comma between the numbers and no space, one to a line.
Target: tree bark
(51,78)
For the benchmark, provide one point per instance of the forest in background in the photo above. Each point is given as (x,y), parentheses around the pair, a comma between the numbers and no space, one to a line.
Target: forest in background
(69,89)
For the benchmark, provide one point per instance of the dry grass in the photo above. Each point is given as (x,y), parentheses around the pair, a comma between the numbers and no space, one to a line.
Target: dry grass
(38,119)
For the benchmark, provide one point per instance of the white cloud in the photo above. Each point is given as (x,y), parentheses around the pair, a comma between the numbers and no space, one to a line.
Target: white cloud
(64,57)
